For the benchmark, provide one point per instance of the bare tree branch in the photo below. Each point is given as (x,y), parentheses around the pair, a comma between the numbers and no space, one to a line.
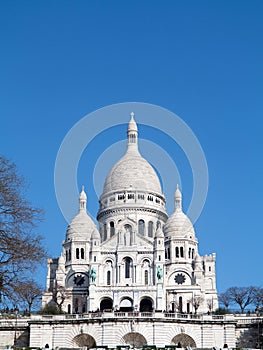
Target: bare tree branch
(21,250)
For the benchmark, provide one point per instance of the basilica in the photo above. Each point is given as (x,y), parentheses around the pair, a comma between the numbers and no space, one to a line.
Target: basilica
(136,257)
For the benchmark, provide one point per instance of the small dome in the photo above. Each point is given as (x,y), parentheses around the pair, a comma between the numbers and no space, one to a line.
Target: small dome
(178,224)
(81,226)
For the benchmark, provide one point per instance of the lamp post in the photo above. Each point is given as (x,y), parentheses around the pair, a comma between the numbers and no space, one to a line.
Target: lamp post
(16,313)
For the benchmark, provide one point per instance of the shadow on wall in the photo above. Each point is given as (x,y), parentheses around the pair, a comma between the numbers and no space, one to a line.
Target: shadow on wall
(252,337)
(22,339)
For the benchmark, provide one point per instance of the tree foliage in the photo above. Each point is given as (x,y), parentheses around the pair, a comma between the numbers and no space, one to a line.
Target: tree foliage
(21,249)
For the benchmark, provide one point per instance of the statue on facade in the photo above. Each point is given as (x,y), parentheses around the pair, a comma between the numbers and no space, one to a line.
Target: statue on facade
(93,275)
(159,272)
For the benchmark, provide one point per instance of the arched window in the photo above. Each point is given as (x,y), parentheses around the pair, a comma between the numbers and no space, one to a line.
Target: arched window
(141,225)
(76,305)
(176,252)
(108,278)
(146,277)
(193,253)
(189,253)
(150,228)
(77,253)
(69,254)
(180,307)
(82,253)
(83,308)
(128,263)
(105,232)
(188,308)
(168,253)
(112,229)
(181,252)
(69,308)
(66,255)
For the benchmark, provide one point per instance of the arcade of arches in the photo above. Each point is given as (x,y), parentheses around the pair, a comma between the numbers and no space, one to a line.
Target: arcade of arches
(126,305)
(134,339)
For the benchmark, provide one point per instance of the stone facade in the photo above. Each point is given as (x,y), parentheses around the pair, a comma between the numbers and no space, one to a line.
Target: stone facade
(111,329)
(138,259)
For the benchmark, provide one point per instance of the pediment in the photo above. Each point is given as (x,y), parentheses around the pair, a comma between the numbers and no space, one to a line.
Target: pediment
(140,242)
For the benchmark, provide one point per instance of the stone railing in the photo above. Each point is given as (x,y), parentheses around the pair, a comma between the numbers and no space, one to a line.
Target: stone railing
(132,315)
(13,323)
(248,319)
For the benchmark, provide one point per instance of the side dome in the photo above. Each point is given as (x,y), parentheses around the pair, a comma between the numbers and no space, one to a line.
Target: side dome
(82,226)
(132,171)
(178,224)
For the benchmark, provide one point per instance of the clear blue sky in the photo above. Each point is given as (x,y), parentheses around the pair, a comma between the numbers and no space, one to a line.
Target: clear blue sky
(61,60)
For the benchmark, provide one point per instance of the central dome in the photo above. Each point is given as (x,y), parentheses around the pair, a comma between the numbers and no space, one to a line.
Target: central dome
(132,171)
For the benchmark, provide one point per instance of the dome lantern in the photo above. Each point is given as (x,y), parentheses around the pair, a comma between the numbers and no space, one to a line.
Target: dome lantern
(177,199)
(132,135)
(132,171)
(82,200)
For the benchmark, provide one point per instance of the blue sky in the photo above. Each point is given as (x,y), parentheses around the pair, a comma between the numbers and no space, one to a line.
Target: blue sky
(202,60)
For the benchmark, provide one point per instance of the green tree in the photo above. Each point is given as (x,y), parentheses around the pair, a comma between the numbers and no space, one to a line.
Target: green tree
(21,249)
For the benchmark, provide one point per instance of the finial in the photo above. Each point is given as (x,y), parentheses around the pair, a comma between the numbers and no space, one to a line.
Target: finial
(132,133)
(178,198)
(82,199)
(82,188)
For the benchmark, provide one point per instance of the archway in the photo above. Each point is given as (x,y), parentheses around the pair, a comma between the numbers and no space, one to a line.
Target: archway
(84,340)
(106,304)
(126,305)
(135,340)
(146,305)
(184,340)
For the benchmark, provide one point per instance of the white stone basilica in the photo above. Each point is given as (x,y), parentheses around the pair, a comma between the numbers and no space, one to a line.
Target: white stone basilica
(139,259)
